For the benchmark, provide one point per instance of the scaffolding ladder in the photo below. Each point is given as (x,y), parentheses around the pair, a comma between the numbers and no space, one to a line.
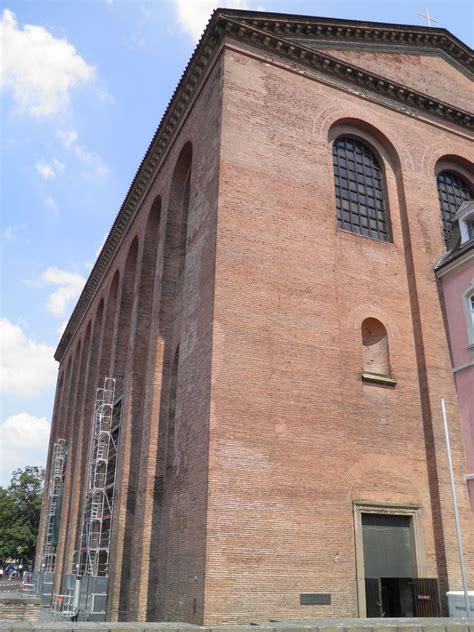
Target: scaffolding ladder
(100,490)
(56,482)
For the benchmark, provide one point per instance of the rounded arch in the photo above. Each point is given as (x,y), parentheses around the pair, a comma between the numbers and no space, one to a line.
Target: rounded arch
(125,310)
(180,174)
(108,327)
(379,143)
(72,391)
(99,314)
(61,380)
(176,235)
(375,347)
(455,185)
(361,192)
(179,202)
(458,164)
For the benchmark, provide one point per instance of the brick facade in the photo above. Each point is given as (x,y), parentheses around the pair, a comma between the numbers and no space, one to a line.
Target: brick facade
(248,438)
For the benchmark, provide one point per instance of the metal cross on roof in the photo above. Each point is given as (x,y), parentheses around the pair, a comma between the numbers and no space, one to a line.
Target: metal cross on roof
(428,17)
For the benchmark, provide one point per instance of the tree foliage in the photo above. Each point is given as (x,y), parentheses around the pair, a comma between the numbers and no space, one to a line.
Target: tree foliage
(20,508)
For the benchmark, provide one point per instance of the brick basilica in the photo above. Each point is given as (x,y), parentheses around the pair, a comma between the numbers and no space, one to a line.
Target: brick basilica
(266,333)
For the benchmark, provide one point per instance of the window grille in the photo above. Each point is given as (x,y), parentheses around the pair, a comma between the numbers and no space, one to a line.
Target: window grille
(452,192)
(360,198)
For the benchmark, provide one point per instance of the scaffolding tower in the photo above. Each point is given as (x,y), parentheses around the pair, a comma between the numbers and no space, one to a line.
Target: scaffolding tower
(100,490)
(56,482)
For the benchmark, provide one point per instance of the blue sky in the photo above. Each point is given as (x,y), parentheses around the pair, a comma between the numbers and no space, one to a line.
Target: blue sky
(83,87)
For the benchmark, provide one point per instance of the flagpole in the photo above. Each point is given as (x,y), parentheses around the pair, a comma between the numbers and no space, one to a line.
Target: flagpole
(455,507)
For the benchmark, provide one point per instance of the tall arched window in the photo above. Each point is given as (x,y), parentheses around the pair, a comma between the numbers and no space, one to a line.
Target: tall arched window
(452,192)
(360,195)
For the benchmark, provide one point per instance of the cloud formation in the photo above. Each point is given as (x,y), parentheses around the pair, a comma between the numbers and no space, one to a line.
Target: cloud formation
(69,140)
(51,203)
(10,233)
(69,284)
(45,170)
(38,69)
(193,15)
(17,452)
(26,367)
(49,170)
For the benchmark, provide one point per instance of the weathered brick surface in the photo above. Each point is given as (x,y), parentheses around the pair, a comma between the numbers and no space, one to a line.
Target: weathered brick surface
(19,608)
(296,437)
(321,625)
(247,499)
(427,73)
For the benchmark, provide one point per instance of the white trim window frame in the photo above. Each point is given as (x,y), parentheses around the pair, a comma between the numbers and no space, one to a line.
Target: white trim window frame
(465,217)
(468,308)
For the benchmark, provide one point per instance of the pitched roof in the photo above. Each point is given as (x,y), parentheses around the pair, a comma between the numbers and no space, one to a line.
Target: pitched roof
(289,37)
(456,247)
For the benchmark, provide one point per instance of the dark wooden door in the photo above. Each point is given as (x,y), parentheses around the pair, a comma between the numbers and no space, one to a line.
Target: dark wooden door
(373,596)
(426,597)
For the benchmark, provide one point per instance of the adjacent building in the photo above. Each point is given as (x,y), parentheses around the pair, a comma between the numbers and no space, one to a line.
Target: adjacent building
(456,273)
(265,329)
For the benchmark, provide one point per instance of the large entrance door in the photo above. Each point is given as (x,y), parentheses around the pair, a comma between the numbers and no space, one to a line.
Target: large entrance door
(389,565)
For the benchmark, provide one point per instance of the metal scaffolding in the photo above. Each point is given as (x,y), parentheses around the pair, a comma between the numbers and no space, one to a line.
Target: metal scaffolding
(56,482)
(100,491)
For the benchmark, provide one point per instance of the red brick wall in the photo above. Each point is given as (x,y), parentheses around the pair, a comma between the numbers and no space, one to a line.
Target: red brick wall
(275,437)
(296,437)
(428,74)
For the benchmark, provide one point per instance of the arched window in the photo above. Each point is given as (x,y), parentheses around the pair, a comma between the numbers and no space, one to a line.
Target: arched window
(375,348)
(452,192)
(360,195)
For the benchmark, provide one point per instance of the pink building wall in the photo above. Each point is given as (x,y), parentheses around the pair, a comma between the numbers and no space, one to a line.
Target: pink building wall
(456,281)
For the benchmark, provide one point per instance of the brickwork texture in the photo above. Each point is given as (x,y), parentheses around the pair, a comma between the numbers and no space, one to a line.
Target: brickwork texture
(231,318)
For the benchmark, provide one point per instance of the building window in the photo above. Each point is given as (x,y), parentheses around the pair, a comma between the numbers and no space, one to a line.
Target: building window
(468,307)
(360,196)
(470,228)
(452,192)
(471,316)
(375,353)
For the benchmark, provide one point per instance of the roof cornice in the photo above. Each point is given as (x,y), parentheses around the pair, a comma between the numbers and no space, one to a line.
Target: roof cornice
(170,121)
(298,52)
(448,263)
(269,31)
(356,31)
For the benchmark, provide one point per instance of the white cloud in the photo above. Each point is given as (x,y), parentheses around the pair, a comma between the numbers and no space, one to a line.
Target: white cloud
(69,138)
(69,284)
(23,441)
(193,15)
(49,170)
(38,69)
(10,232)
(51,203)
(26,367)
(45,170)
(58,166)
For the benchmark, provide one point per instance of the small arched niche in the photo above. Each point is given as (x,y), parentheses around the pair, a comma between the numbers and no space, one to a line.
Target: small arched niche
(375,352)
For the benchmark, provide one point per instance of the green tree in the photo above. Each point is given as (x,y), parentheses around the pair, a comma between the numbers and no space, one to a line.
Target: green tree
(20,508)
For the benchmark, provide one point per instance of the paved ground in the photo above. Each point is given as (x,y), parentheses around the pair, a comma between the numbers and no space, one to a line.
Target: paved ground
(364,623)
(13,588)
(8,586)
